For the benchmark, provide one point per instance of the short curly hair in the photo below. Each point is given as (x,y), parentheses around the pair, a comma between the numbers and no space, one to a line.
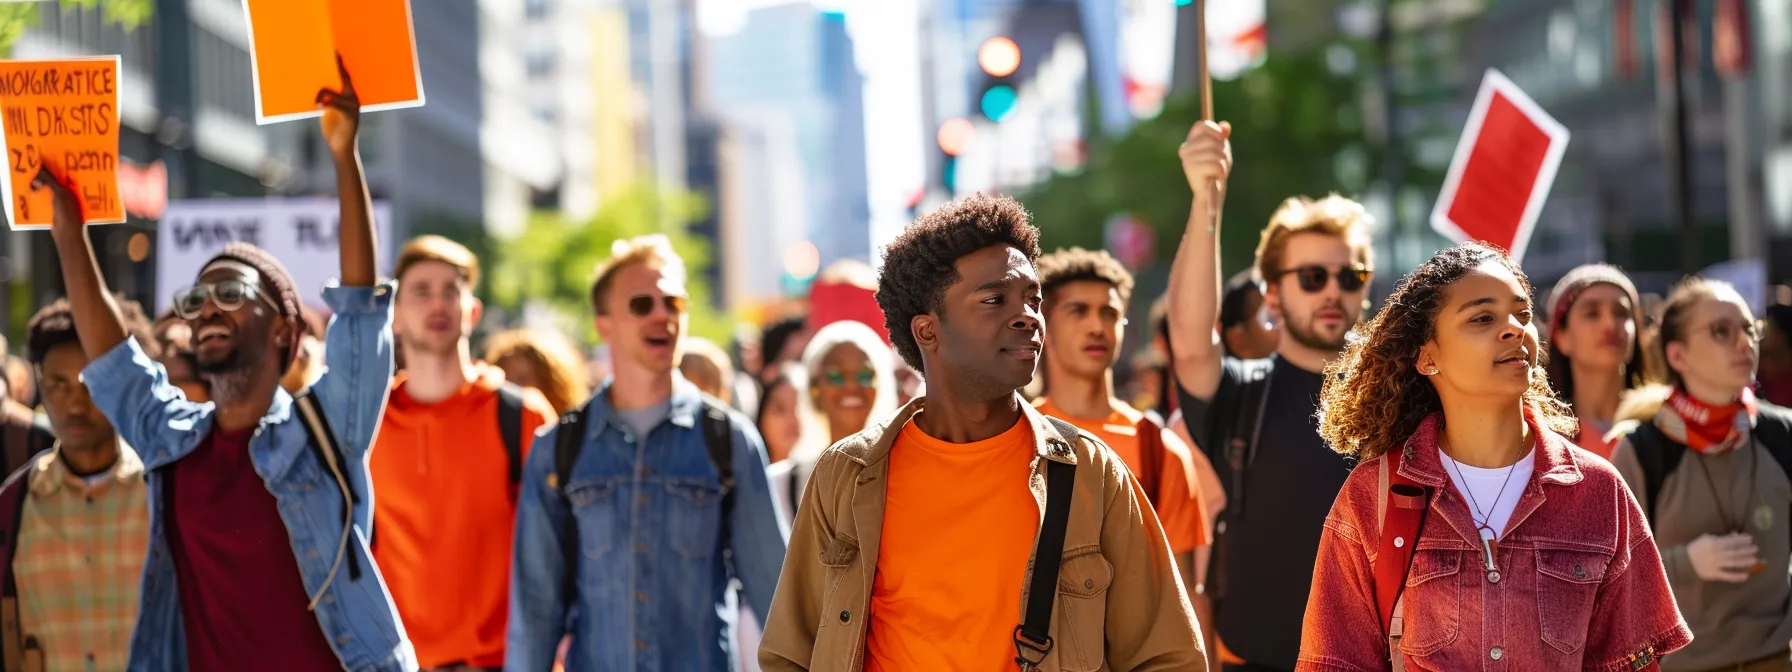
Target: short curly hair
(1373,397)
(921,263)
(1078,265)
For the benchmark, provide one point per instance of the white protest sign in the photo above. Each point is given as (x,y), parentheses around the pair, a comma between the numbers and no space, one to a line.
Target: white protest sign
(300,232)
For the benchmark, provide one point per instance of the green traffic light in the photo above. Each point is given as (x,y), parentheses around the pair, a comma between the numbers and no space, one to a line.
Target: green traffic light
(998,101)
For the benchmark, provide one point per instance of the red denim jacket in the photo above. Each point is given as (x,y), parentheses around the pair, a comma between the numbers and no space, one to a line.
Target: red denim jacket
(1580,585)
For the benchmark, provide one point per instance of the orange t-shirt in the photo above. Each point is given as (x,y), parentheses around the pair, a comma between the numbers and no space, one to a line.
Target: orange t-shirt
(443,517)
(1593,441)
(959,526)
(1179,505)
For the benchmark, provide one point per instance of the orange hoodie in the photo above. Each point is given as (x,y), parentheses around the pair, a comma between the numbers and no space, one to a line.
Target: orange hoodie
(443,517)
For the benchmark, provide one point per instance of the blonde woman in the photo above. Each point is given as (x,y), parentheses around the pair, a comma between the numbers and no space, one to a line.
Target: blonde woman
(544,360)
(851,384)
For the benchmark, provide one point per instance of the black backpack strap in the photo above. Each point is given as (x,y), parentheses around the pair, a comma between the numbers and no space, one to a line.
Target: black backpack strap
(1773,429)
(329,454)
(1659,456)
(569,439)
(12,510)
(510,427)
(1033,636)
(1247,429)
(718,437)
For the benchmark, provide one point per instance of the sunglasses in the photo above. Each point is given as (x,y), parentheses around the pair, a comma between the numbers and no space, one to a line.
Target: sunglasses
(837,378)
(642,306)
(229,295)
(1313,279)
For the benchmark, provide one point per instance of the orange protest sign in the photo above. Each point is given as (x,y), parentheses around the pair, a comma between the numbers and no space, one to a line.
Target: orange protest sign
(293,48)
(64,114)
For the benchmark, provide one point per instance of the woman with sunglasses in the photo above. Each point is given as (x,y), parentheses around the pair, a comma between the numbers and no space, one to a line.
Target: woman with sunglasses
(851,384)
(1595,317)
(1472,533)
(1709,464)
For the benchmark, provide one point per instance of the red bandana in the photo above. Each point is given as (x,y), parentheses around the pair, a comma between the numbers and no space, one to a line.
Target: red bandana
(1704,427)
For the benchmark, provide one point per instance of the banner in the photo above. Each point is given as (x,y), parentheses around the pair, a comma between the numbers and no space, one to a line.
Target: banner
(300,232)
(61,113)
(1502,171)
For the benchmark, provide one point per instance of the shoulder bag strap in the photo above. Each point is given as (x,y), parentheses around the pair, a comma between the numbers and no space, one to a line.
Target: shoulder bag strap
(1032,638)
(1399,527)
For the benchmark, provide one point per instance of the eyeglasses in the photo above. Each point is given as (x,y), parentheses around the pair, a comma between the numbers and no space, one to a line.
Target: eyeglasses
(1314,278)
(229,295)
(1725,331)
(865,376)
(642,306)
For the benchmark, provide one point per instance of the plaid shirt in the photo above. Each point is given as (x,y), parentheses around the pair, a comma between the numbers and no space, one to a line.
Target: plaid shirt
(80,562)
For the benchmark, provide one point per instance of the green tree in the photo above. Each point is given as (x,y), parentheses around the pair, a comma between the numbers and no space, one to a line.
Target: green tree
(15,17)
(1291,120)
(552,260)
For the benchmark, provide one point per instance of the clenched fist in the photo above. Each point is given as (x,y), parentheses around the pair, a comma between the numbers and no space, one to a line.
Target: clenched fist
(1207,157)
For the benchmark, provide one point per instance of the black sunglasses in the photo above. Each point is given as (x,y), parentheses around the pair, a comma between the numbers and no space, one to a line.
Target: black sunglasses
(230,295)
(642,306)
(1314,278)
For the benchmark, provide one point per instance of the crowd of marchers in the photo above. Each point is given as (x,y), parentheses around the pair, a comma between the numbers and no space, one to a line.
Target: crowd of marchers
(954,472)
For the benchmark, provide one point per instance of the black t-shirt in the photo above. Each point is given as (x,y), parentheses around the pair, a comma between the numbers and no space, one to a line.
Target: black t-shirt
(1269,538)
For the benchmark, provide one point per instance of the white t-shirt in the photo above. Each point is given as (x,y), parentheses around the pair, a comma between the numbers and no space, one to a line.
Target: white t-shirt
(1481,487)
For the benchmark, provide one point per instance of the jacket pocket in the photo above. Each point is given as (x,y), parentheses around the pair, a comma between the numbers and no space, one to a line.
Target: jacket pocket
(1433,601)
(1081,636)
(696,516)
(594,509)
(1567,583)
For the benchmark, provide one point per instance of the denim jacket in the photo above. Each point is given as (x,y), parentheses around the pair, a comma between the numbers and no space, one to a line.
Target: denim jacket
(357,616)
(653,590)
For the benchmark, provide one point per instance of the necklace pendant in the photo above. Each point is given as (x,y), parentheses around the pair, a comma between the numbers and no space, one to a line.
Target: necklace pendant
(1763,516)
(1488,548)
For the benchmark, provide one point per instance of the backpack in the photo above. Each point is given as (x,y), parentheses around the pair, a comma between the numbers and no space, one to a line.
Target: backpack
(1232,449)
(1033,636)
(1660,455)
(1398,529)
(718,437)
(1151,455)
(21,440)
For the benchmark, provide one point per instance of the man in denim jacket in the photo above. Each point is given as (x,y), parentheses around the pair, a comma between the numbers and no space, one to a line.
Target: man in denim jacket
(257,552)
(649,587)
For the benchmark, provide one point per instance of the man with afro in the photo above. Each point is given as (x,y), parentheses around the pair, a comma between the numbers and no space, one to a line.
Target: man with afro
(260,506)
(913,546)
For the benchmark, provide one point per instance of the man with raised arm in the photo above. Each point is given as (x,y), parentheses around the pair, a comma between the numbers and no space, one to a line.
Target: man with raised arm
(260,507)
(1254,418)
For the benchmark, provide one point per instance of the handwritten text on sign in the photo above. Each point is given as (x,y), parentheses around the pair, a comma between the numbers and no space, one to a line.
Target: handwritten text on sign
(63,113)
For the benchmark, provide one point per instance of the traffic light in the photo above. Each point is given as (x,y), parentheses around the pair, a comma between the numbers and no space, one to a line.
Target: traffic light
(1000,59)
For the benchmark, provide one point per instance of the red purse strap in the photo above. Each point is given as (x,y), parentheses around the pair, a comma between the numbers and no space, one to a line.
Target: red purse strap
(1399,533)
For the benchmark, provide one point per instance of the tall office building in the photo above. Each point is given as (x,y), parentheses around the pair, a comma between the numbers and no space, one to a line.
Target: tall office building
(795,63)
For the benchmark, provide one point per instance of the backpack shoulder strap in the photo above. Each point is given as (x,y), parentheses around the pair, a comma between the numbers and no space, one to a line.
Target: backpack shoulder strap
(323,440)
(1032,638)
(569,439)
(1151,457)
(718,437)
(12,510)
(1400,509)
(510,428)
(1658,456)
(1774,431)
(1247,429)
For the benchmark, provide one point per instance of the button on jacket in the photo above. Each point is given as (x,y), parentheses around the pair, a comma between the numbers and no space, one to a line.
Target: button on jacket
(157,420)
(1579,584)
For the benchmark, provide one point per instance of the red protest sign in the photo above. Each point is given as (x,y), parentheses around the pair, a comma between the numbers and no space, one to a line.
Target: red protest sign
(1502,171)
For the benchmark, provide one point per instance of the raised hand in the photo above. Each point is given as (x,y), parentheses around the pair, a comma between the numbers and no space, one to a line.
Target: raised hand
(1207,157)
(67,218)
(342,115)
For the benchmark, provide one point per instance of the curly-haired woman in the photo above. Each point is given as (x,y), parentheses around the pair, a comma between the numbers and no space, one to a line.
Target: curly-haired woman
(1519,547)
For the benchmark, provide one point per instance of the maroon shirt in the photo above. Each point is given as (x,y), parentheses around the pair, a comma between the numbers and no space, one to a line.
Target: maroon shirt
(1580,584)
(242,600)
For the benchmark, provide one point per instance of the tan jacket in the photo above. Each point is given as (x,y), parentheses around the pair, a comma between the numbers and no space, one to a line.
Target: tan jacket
(1120,603)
